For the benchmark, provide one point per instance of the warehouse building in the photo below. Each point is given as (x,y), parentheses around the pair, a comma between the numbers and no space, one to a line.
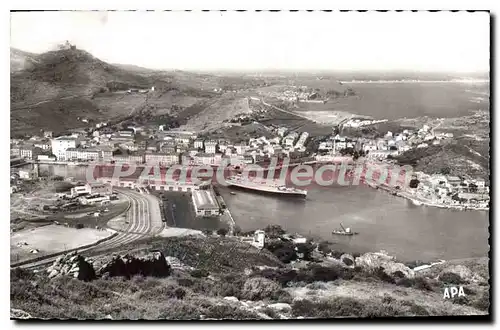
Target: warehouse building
(205,203)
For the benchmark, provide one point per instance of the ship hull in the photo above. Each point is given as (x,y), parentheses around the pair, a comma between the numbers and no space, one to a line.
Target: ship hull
(268,192)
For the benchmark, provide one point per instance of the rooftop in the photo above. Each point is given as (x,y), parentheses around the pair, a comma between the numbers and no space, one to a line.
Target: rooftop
(205,199)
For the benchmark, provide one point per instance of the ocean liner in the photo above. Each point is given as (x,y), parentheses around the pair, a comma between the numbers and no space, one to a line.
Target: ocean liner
(264,186)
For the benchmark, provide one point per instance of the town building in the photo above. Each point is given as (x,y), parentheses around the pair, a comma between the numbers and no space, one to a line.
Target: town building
(61,144)
(29,152)
(290,139)
(205,203)
(82,154)
(93,200)
(161,159)
(198,144)
(302,139)
(92,189)
(207,159)
(129,159)
(281,131)
(15,151)
(210,147)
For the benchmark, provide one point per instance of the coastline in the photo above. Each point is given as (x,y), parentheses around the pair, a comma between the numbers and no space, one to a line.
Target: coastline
(420,201)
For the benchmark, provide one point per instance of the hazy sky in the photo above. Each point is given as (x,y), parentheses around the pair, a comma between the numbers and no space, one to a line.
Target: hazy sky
(421,41)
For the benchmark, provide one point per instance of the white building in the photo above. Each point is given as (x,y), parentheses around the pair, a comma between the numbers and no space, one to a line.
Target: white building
(241,148)
(210,147)
(198,144)
(61,144)
(290,139)
(161,159)
(205,203)
(282,131)
(82,154)
(302,140)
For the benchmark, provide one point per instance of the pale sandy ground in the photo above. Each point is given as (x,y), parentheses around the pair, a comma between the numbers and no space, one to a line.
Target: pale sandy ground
(119,223)
(51,239)
(171,232)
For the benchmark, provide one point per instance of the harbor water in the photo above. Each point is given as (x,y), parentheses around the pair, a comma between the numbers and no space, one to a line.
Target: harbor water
(384,222)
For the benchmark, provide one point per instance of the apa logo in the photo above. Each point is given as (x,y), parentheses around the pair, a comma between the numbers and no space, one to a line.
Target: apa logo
(453,292)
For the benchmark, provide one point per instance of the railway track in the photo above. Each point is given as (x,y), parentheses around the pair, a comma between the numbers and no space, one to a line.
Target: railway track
(144,220)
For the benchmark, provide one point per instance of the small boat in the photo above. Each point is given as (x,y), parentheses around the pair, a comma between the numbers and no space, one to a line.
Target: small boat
(341,232)
(344,231)
(417,203)
(232,193)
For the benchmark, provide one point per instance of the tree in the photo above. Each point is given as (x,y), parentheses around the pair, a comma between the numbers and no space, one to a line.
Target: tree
(306,249)
(472,187)
(285,254)
(324,247)
(414,183)
(222,232)
(445,170)
(274,231)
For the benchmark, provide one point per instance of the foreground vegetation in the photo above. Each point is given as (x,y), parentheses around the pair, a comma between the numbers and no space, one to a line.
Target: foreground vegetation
(225,279)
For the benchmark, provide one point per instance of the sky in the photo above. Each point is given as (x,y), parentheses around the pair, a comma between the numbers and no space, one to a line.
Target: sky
(352,41)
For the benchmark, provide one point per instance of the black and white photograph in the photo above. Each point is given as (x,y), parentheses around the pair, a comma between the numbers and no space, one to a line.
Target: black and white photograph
(249,165)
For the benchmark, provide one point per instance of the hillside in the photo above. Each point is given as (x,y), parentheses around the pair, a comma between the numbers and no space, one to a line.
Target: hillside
(222,278)
(51,90)
(20,60)
(69,72)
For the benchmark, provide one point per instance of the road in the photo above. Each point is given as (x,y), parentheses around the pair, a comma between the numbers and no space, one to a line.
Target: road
(144,220)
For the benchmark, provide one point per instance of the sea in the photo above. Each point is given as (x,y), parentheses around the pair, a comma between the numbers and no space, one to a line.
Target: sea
(395,100)
(384,222)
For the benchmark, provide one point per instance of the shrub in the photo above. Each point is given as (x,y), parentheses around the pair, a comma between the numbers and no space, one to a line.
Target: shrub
(337,254)
(260,288)
(381,274)
(162,292)
(422,283)
(222,232)
(483,302)
(229,312)
(450,278)
(387,299)
(418,310)
(341,306)
(285,254)
(462,300)
(198,273)
(271,312)
(406,282)
(324,274)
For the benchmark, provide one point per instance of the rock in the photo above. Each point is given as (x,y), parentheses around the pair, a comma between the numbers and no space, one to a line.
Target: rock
(396,269)
(73,265)
(19,314)
(284,307)
(347,259)
(374,261)
(153,264)
(233,299)
(53,273)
